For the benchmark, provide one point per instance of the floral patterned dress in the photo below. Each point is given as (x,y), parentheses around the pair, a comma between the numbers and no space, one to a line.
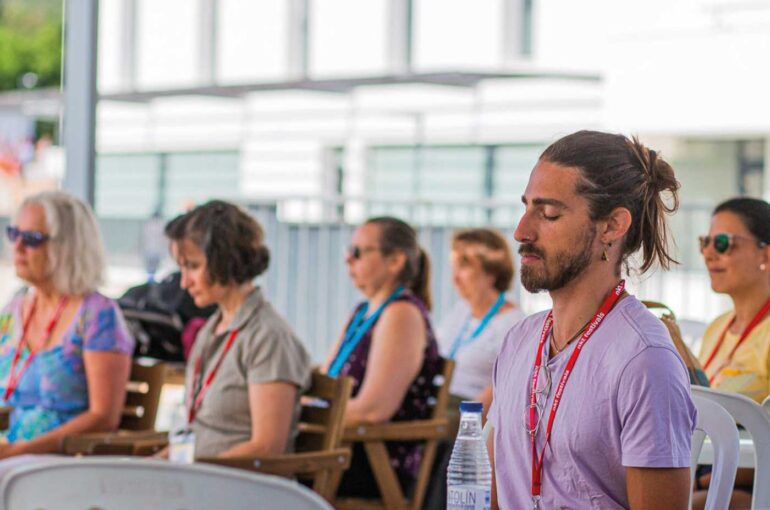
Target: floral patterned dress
(53,389)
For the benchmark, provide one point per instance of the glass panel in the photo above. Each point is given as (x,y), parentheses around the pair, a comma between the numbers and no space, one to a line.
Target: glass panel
(458,33)
(197,177)
(127,185)
(513,164)
(347,37)
(110,45)
(168,34)
(445,175)
(252,40)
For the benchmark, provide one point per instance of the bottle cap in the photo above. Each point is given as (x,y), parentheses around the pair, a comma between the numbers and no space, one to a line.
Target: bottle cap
(471,406)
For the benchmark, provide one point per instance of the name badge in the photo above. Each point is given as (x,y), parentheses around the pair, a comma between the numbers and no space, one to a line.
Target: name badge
(181,447)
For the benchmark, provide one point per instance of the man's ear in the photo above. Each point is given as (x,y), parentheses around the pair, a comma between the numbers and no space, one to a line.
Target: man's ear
(616,225)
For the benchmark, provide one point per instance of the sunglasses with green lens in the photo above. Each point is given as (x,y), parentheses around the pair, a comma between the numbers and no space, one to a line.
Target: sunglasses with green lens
(725,242)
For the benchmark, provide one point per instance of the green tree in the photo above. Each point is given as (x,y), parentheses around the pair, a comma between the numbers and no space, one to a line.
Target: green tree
(30,42)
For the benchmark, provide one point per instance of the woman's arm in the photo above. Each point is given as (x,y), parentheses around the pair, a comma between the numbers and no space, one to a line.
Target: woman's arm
(271,406)
(395,358)
(106,375)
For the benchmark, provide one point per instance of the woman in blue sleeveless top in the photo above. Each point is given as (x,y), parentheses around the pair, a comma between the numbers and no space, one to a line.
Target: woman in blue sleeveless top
(388,346)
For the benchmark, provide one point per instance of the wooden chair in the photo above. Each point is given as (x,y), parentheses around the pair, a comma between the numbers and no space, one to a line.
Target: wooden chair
(694,368)
(122,442)
(143,395)
(138,419)
(318,452)
(5,417)
(373,437)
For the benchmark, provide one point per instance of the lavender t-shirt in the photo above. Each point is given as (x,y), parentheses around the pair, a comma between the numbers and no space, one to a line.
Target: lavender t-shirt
(627,404)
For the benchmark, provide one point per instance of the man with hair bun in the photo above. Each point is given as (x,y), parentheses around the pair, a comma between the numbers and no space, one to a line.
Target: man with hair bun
(591,405)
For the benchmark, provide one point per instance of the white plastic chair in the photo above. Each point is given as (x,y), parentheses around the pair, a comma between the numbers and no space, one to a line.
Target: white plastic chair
(756,420)
(127,484)
(766,405)
(716,423)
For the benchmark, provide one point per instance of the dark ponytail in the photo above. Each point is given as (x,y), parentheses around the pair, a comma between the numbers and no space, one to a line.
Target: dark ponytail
(396,235)
(622,172)
(420,284)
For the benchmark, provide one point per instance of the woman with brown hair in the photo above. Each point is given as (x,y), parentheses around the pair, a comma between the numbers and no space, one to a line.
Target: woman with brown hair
(247,368)
(388,346)
(736,346)
(472,331)
(735,352)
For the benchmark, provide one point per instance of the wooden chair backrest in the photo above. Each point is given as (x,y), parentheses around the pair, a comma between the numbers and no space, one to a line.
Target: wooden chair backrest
(322,415)
(441,385)
(143,395)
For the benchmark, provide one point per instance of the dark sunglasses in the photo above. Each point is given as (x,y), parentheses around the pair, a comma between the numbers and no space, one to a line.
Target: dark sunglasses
(356,252)
(29,238)
(725,242)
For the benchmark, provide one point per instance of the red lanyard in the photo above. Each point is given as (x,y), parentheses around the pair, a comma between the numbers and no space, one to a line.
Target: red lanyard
(756,320)
(537,460)
(194,403)
(13,376)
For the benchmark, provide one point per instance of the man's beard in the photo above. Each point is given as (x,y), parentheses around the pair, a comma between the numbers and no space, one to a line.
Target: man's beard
(568,266)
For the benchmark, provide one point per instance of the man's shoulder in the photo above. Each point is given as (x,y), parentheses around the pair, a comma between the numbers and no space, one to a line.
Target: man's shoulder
(637,325)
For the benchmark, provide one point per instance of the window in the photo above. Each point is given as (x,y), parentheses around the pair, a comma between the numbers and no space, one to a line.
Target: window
(252,40)
(168,43)
(133,186)
(458,34)
(347,37)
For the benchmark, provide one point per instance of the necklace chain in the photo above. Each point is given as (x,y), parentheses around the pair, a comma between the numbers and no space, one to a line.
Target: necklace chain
(553,340)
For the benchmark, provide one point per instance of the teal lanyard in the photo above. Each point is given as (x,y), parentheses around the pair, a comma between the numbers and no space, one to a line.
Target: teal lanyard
(461,341)
(356,331)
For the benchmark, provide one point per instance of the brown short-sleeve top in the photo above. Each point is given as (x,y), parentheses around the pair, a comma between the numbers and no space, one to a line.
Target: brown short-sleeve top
(264,350)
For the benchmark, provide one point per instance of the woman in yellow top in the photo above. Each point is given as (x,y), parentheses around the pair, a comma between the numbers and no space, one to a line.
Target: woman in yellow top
(736,346)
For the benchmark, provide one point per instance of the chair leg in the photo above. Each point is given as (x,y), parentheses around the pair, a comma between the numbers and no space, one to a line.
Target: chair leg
(423,476)
(387,482)
(321,485)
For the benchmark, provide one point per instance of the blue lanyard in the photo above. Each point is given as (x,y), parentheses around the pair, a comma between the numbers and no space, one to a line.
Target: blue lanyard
(356,331)
(460,341)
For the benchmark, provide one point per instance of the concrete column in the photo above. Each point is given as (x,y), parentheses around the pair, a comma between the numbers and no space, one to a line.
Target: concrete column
(399,36)
(79,116)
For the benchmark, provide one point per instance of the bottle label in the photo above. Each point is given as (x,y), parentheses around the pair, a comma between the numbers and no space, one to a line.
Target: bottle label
(468,497)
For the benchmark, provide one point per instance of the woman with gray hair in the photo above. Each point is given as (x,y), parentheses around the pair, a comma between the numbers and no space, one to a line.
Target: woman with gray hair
(65,352)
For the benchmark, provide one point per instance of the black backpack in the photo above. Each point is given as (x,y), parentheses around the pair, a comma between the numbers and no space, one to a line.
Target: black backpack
(156,314)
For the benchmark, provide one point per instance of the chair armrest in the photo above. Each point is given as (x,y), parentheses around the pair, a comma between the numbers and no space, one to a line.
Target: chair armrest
(5,417)
(120,441)
(398,431)
(134,448)
(288,464)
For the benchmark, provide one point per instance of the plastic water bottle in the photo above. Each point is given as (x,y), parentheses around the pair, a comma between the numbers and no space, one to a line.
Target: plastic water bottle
(469,477)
